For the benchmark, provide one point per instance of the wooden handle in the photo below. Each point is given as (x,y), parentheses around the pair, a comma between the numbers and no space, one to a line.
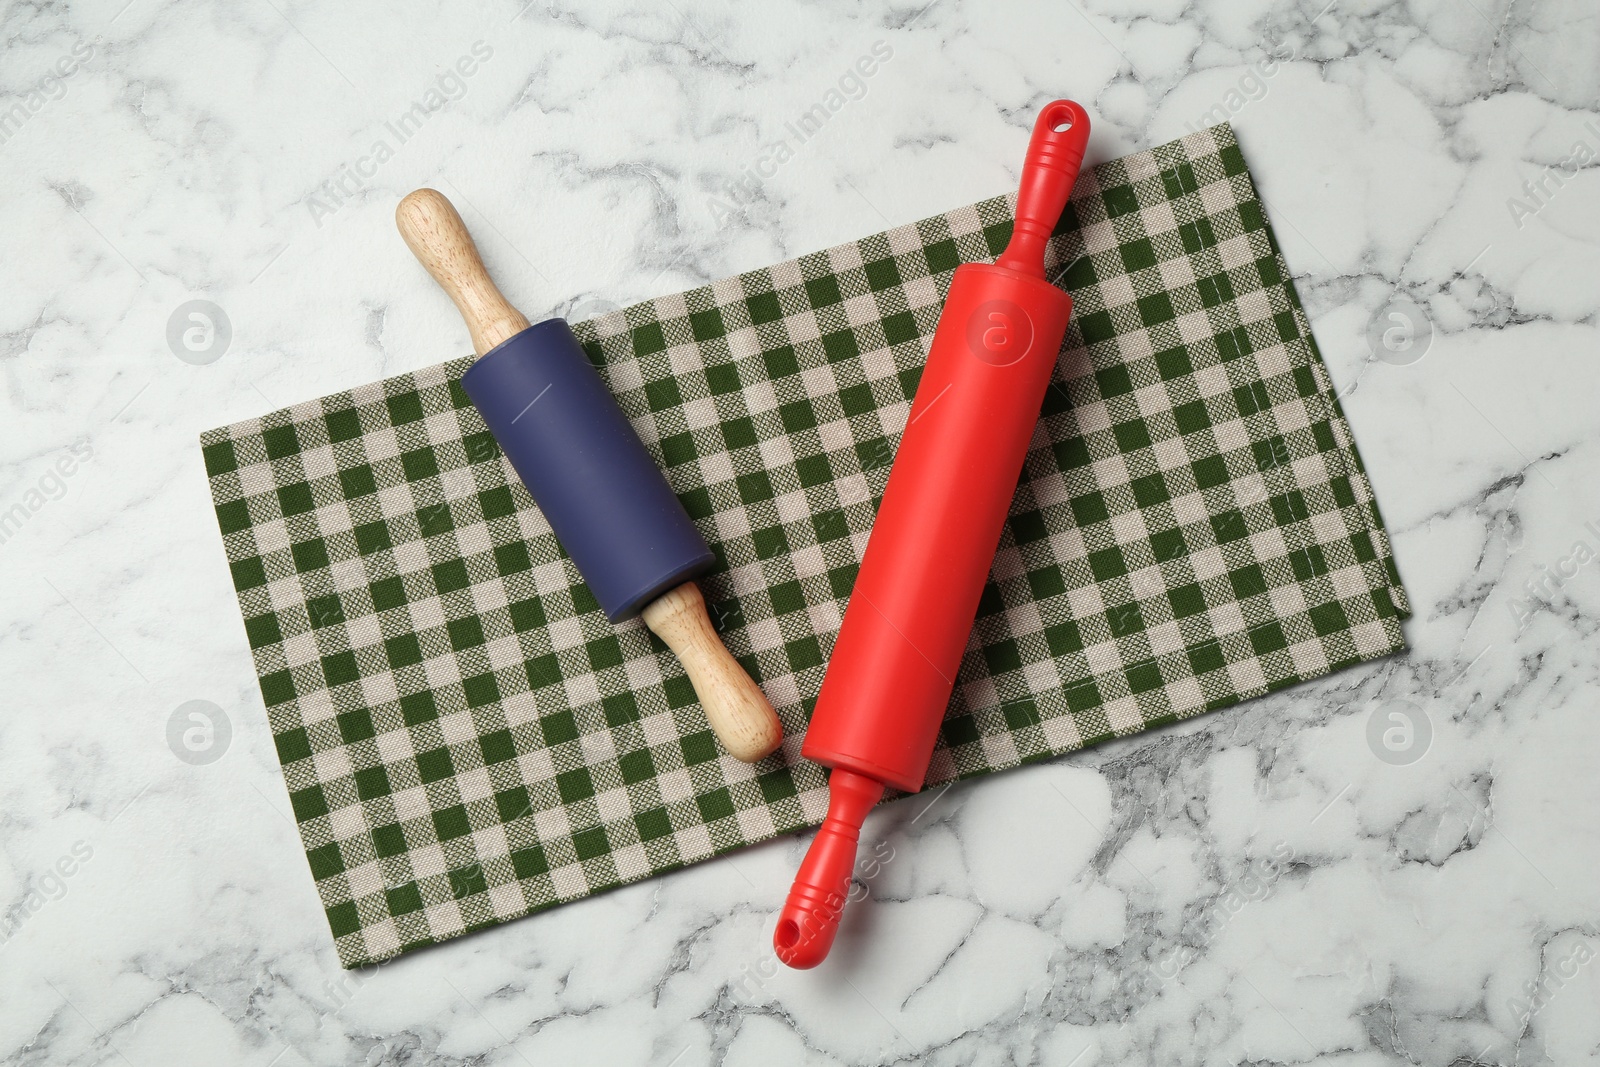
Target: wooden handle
(440,241)
(738,711)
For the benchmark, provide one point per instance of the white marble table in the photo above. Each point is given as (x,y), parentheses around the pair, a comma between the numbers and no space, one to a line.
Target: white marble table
(1394,865)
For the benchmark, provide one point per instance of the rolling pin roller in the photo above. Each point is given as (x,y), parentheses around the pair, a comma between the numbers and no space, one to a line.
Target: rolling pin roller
(602,493)
(916,596)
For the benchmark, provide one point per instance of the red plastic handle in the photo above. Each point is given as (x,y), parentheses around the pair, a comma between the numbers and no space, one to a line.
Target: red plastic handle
(810,917)
(1054,155)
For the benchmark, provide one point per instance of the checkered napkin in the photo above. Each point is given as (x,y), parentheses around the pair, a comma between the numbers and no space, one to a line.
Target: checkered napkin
(466,739)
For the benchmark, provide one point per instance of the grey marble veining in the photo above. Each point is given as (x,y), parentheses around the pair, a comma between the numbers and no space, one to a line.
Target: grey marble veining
(1394,865)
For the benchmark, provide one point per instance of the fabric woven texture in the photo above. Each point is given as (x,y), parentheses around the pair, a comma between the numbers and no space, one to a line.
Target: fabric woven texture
(466,739)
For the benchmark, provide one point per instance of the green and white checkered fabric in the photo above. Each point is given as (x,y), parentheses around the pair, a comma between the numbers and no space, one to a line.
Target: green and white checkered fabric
(466,739)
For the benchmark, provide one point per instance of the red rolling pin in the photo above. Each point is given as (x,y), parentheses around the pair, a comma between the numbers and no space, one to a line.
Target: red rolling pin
(916,596)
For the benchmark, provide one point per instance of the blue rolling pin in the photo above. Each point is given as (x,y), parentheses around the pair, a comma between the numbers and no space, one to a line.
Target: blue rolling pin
(602,493)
